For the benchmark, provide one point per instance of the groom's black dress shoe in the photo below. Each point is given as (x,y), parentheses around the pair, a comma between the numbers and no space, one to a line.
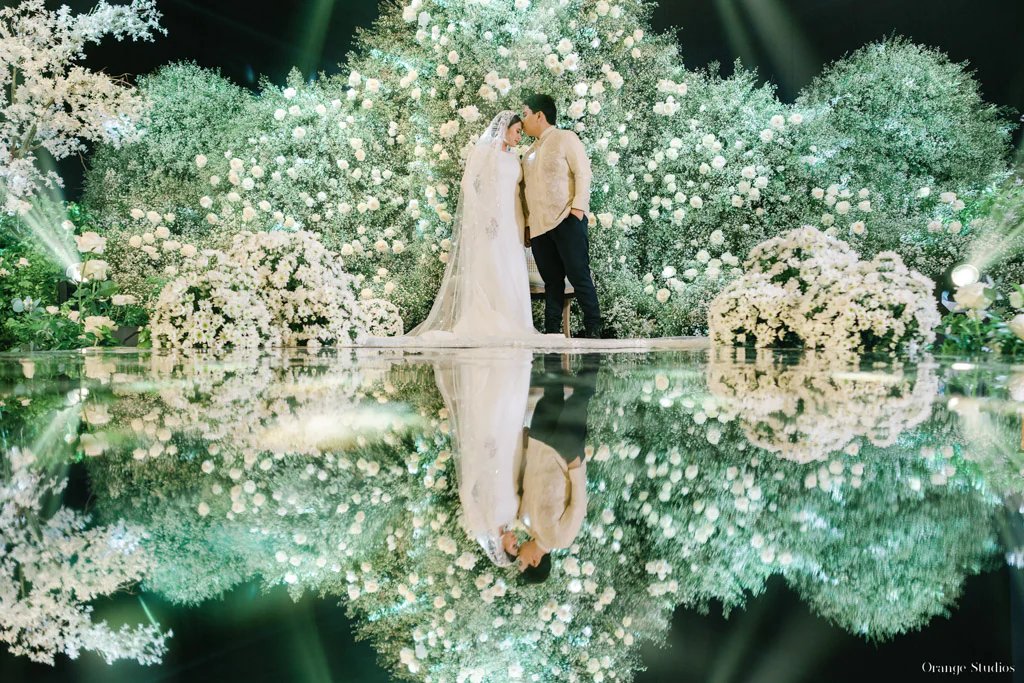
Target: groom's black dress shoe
(592,333)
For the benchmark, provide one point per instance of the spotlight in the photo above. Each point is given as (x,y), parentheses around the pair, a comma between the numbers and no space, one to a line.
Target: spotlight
(74,272)
(965,274)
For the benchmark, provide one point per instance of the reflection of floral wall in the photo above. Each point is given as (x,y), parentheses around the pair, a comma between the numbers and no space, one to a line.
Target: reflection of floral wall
(684,509)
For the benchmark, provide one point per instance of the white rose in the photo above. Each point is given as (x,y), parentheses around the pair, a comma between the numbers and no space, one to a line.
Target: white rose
(90,243)
(1017,326)
(93,323)
(200,160)
(972,297)
(95,270)
(662,295)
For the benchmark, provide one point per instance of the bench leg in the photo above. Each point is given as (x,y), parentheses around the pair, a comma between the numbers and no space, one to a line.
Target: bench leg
(565,316)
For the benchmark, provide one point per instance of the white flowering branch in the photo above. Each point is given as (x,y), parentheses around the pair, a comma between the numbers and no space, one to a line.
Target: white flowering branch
(52,568)
(49,102)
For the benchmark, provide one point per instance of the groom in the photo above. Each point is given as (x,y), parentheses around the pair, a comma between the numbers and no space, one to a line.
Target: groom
(556,175)
(553,484)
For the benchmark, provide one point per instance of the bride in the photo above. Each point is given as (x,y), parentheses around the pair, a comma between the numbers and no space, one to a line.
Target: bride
(486,394)
(485,293)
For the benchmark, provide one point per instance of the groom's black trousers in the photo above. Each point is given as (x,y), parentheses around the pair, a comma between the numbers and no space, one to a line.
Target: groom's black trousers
(565,253)
(558,422)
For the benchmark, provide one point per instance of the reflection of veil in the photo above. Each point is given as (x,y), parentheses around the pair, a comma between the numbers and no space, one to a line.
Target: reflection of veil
(480,206)
(486,396)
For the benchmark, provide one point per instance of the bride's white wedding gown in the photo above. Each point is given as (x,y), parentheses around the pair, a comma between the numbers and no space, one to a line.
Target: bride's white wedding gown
(495,284)
(486,396)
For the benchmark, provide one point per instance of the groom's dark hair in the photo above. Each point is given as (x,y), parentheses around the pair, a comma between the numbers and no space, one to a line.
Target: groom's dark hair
(540,573)
(543,103)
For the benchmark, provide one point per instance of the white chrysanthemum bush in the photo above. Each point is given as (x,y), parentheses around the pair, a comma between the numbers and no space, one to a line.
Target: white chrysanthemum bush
(270,289)
(807,289)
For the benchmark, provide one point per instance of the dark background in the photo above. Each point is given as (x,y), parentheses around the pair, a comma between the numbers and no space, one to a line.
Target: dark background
(787,41)
(252,637)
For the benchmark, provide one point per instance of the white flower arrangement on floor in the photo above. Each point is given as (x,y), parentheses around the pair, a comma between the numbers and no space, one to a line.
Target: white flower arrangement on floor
(270,289)
(807,289)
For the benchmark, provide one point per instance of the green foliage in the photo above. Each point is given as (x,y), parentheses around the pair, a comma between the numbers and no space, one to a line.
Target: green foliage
(896,116)
(691,170)
(193,110)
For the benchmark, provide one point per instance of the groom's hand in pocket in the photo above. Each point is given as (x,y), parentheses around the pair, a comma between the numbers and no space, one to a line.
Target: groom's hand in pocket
(578,213)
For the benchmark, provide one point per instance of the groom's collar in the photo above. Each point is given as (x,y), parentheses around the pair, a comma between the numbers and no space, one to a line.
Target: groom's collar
(547,131)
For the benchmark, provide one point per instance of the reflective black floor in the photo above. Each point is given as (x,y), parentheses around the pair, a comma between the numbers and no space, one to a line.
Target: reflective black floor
(363,516)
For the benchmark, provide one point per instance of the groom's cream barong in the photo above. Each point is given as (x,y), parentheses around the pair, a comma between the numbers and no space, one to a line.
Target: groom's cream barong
(556,174)
(554,497)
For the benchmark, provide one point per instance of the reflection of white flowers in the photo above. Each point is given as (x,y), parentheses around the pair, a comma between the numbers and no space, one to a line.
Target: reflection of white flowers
(819,407)
(52,567)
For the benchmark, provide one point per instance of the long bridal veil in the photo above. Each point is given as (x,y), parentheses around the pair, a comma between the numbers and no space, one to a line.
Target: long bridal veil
(480,209)
(485,393)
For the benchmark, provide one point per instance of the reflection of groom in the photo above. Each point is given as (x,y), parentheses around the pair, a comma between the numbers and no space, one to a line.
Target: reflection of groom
(553,484)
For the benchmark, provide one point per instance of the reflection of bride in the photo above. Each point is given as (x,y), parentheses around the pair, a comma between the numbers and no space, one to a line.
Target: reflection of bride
(486,398)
